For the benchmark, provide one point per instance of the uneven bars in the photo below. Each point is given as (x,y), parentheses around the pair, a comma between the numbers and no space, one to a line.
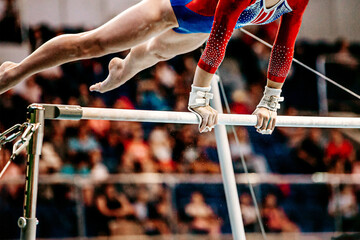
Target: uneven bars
(71,112)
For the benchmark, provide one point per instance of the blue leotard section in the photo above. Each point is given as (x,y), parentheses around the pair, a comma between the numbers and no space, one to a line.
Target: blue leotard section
(192,22)
(189,21)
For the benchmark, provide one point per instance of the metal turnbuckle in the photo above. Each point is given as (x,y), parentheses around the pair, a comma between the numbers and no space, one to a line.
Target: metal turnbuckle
(11,134)
(27,130)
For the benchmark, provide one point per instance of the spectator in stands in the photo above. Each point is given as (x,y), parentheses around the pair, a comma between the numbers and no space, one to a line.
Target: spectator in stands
(50,161)
(161,146)
(339,153)
(165,76)
(124,102)
(30,90)
(204,220)
(275,218)
(78,163)
(207,160)
(309,156)
(255,163)
(161,211)
(204,165)
(248,212)
(148,214)
(141,204)
(150,95)
(97,169)
(240,104)
(99,127)
(84,141)
(113,206)
(57,137)
(137,154)
(184,152)
(293,136)
(345,205)
(113,150)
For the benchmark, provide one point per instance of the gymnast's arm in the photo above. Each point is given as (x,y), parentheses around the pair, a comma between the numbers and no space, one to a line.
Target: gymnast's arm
(226,15)
(279,66)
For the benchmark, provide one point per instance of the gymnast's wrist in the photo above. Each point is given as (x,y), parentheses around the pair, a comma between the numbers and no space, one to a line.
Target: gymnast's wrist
(271,99)
(199,96)
(274,84)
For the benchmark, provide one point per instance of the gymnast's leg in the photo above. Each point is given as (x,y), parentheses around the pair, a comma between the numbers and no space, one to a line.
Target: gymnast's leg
(159,48)
(130,28)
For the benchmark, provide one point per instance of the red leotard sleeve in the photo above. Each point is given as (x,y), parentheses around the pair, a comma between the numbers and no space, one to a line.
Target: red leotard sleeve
(226,15)
(283,50)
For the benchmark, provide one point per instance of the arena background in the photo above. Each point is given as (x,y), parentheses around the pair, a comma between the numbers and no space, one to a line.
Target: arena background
(101,179)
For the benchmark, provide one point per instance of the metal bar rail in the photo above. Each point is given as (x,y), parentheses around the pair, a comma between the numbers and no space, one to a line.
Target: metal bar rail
(71,112)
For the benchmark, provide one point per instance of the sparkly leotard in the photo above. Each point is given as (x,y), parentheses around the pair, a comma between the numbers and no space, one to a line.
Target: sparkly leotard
(221,17)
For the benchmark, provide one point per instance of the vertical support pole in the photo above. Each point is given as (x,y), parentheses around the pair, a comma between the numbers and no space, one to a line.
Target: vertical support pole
(28,222)
(322,87)
(227,170)
(80,208)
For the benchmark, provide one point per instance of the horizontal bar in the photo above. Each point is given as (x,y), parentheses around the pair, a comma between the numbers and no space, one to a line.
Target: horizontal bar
(77,112)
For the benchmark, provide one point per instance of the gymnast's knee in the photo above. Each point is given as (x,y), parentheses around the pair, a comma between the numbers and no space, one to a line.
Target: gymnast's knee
(158,50)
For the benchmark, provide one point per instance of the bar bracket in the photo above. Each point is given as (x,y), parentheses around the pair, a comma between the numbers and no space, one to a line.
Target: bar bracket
(55,111)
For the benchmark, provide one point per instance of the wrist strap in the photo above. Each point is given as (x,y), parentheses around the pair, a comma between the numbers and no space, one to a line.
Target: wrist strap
(200,96)
(271,99)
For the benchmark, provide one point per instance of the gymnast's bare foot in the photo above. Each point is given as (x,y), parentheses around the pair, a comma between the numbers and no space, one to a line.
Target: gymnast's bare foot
(116,67)
(7,80)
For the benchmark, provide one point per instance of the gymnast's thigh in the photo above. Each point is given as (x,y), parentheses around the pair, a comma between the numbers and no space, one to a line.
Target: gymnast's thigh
(174,43)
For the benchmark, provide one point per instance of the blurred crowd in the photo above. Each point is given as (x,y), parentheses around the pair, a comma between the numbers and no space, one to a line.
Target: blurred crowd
(97,149)
(10,26)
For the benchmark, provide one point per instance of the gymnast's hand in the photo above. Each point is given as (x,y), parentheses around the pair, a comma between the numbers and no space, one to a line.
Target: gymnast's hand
(199,104)
(266,110)
(208,118)
(266,120)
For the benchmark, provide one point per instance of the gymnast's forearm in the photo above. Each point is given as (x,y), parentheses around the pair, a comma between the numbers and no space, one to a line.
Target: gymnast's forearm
(202,78)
